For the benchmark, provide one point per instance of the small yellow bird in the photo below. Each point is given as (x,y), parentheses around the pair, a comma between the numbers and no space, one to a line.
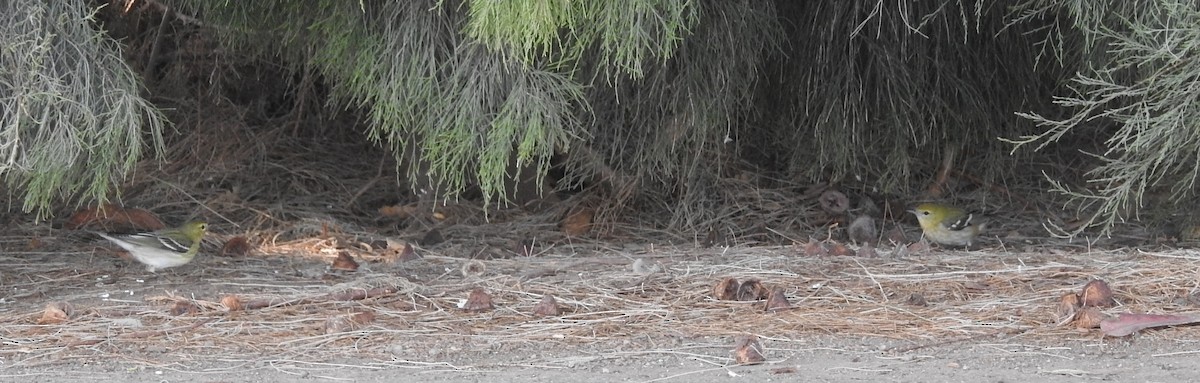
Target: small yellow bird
(947,225)
(163,248)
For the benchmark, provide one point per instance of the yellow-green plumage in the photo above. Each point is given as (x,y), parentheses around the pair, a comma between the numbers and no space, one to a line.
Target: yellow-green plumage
(163,248)
(947,225)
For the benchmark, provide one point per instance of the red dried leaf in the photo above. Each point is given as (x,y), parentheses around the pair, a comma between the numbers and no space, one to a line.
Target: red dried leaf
(1129,323)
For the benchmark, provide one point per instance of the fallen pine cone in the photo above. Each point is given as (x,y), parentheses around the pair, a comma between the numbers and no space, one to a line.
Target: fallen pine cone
(1089,318)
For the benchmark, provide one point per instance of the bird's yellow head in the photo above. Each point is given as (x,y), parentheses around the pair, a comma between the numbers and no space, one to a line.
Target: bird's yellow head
(194,230)
(931,214)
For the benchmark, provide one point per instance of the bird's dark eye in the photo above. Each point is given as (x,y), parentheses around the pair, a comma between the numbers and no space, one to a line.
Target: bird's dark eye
(925,212)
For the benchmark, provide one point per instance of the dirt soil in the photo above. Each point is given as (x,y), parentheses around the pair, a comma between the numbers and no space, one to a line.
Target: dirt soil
(636,313)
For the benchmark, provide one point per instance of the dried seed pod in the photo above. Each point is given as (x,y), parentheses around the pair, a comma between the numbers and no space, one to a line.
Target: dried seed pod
(478,300)
(777,301)
(344,262)
(1068,307)
(232,303)
(726,290)
(56,312)
(547,307)
(1089,318)
(747,351)
(1097,294)
(752,290)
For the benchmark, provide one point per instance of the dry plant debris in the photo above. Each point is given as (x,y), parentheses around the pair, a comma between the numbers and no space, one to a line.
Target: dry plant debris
(841,250)
(815,248)
(184,308)
(259,306)
(237,246)
(348,322)
(729,289)
(578,222)
(111,217)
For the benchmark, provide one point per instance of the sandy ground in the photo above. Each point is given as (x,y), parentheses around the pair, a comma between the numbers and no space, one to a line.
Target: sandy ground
(849,322)
(827,359)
